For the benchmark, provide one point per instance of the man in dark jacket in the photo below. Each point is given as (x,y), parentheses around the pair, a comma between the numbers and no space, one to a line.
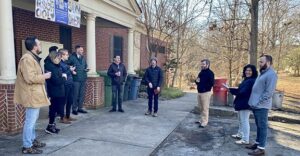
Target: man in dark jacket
(205,82)
(153,78)
(117,72)
(78,61)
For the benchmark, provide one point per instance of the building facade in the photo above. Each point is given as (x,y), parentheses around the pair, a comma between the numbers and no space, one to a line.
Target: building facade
(108,28)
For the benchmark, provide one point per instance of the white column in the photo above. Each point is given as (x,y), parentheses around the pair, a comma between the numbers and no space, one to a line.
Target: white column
(91,44)
(7,47)
(130,52)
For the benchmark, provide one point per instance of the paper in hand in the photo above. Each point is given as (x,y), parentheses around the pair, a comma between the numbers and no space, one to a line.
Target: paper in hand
(225,85)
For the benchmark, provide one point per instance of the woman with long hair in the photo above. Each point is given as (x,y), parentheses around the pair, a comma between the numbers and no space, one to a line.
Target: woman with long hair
(241,105)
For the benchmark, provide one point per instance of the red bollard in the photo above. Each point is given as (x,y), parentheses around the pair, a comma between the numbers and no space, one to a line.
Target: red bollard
(220,92)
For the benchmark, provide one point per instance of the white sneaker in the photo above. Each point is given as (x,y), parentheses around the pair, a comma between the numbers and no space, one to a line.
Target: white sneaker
(242,142)
(236,136)
(148,113)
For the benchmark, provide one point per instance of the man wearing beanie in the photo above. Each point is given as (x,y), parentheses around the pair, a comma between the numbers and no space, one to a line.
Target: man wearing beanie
(153,78)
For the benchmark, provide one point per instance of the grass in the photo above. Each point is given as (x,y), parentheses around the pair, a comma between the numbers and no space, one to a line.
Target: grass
(291,87)
(288,84)
(171,93)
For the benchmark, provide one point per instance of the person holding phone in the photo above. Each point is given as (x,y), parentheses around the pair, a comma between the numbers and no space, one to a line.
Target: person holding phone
(69,70)
(241,105)
(117,72)
(205,82)
(30,92)
(78,61)
(56,91)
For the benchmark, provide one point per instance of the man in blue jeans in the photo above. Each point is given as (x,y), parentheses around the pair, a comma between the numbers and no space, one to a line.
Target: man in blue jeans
(153,78)
(117,72)
(30,92)
(261,102)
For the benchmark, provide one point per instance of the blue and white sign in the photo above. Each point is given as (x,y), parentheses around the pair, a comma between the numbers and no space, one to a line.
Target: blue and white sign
(61,11)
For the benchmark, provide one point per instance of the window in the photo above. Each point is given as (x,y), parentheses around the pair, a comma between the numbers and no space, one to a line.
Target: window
(117,48)
(157,48)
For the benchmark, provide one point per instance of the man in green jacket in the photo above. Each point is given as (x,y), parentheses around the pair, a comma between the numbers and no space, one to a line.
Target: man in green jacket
(78,61)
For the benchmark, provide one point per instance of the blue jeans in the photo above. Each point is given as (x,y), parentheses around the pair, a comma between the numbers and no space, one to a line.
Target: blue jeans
(261,121)
(32,114)
(151,94)
(117,96)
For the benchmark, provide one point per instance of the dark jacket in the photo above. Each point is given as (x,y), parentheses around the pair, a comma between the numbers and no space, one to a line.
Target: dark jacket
(55,85)
(66,69)
(153,75)
(242,93)
(207,80)
(113,68)
(81,66)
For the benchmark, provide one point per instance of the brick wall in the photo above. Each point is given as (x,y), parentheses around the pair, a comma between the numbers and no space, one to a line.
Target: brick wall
(12,115)
(79,37)
(103,46)
(162,57)
(25,24)
(94,96)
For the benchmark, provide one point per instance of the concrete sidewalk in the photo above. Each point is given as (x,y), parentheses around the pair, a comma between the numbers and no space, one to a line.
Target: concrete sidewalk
(134,134)
(103,133)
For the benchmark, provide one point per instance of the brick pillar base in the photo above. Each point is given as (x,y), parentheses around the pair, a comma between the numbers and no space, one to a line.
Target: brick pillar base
(12,115)
(94,95)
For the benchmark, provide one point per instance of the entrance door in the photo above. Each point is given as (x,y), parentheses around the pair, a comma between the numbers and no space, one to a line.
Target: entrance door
(66,37)
(118,46)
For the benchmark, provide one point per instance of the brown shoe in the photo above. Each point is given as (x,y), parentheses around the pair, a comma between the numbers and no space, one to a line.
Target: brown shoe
(37,144)
(257,152)
(70,119)
(252,147)
(31,150)
(65,121)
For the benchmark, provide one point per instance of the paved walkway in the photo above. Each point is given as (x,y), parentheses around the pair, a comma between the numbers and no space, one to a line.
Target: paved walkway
(173,133)
(114,134)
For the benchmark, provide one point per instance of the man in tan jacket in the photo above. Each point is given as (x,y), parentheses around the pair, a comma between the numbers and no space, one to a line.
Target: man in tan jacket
(31,93)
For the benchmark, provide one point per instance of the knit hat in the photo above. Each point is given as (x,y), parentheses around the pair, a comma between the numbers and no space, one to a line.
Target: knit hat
(153,58)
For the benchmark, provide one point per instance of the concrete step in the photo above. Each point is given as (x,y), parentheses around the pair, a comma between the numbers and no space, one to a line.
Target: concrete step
(274,115)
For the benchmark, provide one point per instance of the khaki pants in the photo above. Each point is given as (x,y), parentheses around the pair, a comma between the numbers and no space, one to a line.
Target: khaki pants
(203,103)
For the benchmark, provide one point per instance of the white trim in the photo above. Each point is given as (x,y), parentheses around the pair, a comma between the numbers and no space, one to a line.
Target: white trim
(121,8)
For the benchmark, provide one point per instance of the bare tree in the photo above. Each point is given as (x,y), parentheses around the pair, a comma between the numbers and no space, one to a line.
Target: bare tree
(254,32)
(229,34)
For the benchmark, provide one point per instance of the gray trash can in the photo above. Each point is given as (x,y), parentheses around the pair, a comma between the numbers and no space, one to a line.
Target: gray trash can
(277,100)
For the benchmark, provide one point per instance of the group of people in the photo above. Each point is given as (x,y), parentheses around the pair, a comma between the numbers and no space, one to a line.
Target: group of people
(253,94)
(66,86)
(61,86)
(63,82)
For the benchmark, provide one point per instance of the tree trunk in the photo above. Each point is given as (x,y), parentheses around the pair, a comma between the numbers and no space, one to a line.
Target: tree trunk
(230,72)
(253,33)
(180,76)
(174,76)
(279,57)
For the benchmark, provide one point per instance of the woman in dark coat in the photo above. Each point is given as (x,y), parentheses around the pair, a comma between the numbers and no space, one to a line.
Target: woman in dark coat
(243,93)
(55,90)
